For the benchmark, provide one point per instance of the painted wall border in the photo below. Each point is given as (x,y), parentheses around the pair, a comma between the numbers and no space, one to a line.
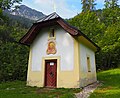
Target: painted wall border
(43,67)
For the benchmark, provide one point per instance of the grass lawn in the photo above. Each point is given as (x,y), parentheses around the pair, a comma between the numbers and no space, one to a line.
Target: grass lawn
(18,89)
(110,87)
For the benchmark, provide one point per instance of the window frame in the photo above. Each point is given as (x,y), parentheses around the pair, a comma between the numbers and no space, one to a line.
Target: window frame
(52,30)
(88,64)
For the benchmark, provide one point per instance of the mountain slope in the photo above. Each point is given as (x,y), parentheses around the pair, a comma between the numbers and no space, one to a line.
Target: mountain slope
(26,12)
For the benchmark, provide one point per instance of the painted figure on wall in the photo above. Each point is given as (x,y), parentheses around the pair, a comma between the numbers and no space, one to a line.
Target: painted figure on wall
(51,48)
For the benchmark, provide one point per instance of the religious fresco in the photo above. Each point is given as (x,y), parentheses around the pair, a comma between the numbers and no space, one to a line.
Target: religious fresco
(51,49)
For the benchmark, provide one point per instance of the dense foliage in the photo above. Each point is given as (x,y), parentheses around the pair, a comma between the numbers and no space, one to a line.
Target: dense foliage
(13,56)
(102,27)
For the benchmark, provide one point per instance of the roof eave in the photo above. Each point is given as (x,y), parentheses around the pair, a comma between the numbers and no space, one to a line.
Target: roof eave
(28,38)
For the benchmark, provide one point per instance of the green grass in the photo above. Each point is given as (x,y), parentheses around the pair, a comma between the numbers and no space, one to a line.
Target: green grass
(110,84)
(110,88)
(18,89)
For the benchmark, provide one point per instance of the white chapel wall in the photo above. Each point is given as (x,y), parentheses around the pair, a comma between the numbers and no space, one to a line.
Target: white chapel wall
(64,46)
(87,77)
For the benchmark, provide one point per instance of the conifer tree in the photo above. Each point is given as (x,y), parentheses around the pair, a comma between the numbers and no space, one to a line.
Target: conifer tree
(84,5)
(88,5)
(111,3)
(7,4)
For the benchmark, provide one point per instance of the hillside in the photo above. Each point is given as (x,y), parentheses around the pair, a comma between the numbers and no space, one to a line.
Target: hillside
(24,15)
(26,12)
(110,86)
(25,22)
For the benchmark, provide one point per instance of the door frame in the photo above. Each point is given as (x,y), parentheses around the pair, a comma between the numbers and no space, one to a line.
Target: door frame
(58,68)
(46,73)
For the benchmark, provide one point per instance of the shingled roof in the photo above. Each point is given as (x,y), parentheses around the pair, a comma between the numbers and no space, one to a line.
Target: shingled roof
(49,20)
(49,17)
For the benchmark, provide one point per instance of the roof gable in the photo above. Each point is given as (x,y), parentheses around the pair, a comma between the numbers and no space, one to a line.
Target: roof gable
(50,20)
(49,17)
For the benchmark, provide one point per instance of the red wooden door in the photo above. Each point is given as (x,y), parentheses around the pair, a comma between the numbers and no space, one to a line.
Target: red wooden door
(50,73)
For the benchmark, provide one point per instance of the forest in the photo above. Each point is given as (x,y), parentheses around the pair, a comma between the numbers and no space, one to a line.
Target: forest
(101,25)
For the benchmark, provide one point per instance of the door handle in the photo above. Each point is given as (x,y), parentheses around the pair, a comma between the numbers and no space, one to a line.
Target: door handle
(51,74)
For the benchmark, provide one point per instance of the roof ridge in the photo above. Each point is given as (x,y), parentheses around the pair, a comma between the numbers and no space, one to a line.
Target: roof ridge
(48,17)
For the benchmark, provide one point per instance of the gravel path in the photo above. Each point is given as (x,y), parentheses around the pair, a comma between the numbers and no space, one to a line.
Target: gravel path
(85,93)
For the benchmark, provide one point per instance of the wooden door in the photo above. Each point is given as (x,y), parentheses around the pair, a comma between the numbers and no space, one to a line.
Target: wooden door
(50,73)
